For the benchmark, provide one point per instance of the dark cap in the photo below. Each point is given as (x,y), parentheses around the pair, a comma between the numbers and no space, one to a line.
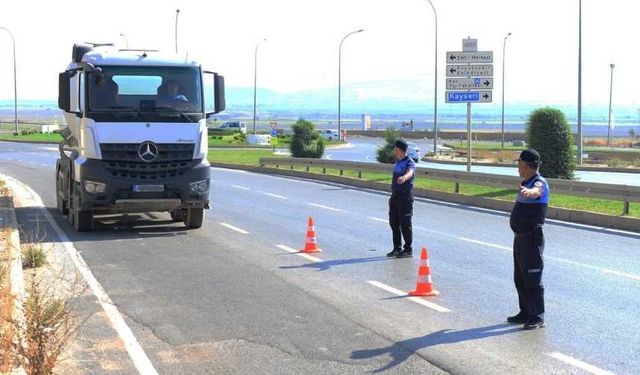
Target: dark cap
(401,144)
(530,156)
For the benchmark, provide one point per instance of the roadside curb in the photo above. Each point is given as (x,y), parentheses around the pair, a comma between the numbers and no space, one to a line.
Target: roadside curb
(554,213)
(16,276)
(480,164)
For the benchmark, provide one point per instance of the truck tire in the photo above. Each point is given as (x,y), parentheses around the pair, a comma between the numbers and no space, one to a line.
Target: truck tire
(82,220)
(193,218)
(60,202)
(176,216)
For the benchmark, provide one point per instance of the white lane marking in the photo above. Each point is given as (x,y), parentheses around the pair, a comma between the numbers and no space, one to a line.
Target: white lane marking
(417,300)
(294,251)
(325,207)
(379,220)
(579,364)
(241,187)
(561,260)
(234,228)
(603,270)
(137,354)
(275,195)
(485,243)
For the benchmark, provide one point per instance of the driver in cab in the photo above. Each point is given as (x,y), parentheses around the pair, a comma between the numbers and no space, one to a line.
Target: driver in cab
(171,94)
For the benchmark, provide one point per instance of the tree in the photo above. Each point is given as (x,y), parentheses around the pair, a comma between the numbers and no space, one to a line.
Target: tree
(549,133)
(306,142)
(385,152)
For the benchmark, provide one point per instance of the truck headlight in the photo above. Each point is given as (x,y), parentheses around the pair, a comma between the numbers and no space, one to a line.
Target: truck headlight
(95,187)
(200,186)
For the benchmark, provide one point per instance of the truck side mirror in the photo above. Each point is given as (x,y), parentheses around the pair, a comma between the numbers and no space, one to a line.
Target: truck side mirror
(220,102)
(64,91)
(214,94)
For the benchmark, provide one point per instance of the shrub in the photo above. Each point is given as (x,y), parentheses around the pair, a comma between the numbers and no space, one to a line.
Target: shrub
(614,162)
(385,153)
(33,256)
(306,142)
(549,133)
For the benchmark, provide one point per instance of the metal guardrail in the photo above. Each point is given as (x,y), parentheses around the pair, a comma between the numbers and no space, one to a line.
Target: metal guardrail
(623,193)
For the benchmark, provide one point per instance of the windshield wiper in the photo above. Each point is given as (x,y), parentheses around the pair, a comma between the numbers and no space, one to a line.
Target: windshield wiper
(182,114)
(133,109)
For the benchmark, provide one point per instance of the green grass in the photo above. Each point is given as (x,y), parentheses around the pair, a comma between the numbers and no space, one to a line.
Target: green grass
(247,157)
(53,137)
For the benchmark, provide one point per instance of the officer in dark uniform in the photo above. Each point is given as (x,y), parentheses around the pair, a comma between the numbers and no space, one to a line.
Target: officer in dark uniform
(401,202)
(527,219)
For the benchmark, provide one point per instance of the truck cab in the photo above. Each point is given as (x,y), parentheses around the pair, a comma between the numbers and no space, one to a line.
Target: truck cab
(136,136)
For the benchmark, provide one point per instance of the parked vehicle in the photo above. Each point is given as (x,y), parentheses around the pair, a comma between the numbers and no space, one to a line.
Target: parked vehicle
(234,126)
(413,152)
(329,134)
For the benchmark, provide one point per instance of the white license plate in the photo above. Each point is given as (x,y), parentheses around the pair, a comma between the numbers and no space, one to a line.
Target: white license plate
(148,188)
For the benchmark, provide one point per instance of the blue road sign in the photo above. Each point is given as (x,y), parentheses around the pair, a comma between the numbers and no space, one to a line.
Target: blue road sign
(469,97)
(274,132)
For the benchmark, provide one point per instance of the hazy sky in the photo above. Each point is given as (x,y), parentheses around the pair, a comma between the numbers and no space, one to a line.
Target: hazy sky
(303,38)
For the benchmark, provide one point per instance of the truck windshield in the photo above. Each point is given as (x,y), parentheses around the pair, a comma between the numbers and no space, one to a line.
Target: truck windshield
(153,93)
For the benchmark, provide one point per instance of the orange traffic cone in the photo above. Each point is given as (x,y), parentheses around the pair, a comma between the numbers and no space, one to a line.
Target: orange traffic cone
(311,245)
(424,287)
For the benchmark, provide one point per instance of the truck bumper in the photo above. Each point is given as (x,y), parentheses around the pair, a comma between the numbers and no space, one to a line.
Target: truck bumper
(130,195)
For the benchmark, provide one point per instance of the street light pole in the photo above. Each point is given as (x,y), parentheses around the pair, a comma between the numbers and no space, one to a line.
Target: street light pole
(126,40)
(340,80)
(580,82)
(15,80)
(612,66)
(504,48)
(435,83)
(255,83)
(176,29)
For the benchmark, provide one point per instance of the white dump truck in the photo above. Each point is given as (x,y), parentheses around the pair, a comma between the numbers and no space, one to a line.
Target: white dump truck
(136,139)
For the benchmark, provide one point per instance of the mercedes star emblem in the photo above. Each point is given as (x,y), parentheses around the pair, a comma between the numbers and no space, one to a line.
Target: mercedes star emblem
(148,151)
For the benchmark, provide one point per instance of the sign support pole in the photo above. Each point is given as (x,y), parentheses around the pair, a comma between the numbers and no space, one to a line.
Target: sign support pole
(468,137)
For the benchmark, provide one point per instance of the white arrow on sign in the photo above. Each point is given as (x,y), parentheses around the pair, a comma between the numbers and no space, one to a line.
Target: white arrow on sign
(470,57)
(469,83)
(484,70)
(469,96)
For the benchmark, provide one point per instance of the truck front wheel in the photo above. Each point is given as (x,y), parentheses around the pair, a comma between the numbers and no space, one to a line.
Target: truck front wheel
(193,218)
(60,202)
(176,216)
(82,220)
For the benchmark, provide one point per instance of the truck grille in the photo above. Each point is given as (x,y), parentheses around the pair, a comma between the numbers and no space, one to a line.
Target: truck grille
(122,161)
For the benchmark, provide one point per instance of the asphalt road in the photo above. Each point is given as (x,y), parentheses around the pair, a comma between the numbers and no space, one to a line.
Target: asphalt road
(232,298)
(364,150)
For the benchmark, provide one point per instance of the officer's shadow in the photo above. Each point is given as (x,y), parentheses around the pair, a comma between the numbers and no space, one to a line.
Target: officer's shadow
(402,350)
(328,264)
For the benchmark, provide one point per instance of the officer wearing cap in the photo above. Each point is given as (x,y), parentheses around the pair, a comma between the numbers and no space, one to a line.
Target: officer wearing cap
(401,202)
(527,219)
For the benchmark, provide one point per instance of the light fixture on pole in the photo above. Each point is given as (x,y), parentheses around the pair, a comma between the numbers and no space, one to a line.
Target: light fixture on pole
(126,41)
(255,82)
(176,29)
(504,47)
(340,80)
(15,81)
